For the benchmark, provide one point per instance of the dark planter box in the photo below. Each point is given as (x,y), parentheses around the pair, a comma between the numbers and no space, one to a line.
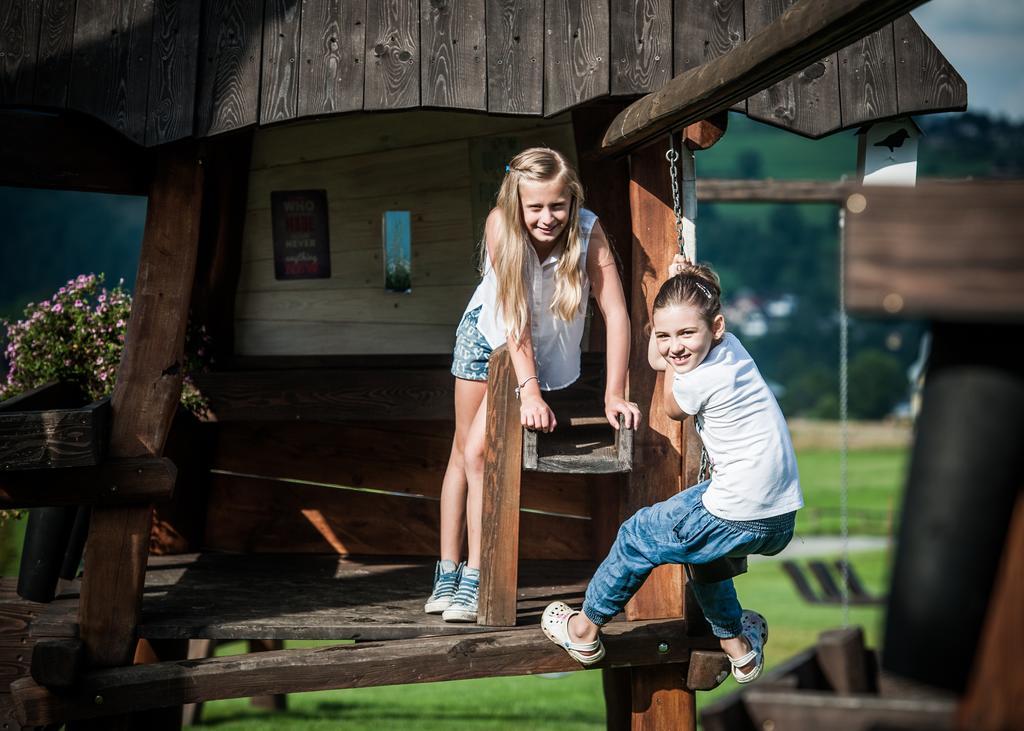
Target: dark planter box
(52,426)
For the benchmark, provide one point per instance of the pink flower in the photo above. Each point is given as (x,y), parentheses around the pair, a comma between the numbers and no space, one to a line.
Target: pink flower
(102,297)
(58,307)
(79,304)
(120,323)
(103,376)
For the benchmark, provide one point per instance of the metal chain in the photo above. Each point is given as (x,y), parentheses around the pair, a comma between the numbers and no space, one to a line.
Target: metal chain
(677,203)
(844,425)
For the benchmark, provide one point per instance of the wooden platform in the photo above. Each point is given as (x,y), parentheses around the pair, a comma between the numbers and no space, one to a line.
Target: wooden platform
(378,602)
(264,596)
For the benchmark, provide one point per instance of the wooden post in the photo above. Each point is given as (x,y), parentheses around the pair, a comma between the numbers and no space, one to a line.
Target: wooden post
(503,469)
(660,697)
(144,401)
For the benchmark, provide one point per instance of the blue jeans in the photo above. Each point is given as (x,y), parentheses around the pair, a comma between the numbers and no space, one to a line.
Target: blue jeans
(680,530)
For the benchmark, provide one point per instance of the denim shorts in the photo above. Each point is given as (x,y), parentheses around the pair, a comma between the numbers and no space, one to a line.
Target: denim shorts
(472,351)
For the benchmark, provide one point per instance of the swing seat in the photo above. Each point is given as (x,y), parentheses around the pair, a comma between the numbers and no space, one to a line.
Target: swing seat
(718,570)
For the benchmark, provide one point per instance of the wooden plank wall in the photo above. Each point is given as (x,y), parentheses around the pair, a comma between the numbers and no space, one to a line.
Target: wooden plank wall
(369,488)
(417,161)
(143,67)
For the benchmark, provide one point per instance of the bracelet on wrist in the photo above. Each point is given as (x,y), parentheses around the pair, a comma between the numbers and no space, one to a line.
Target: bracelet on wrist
(520,387)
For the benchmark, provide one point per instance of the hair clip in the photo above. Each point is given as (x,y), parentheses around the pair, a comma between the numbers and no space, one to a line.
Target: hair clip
(702,288)
(507,168)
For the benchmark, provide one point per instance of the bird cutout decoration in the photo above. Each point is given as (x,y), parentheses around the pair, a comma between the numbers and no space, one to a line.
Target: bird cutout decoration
(896,139)
(887,152)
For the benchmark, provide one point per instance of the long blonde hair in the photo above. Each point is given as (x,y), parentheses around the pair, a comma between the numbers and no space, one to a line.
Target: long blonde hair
(512,244)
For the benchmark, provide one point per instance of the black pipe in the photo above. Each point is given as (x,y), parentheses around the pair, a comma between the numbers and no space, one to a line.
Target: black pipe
(76,544)
(966,470)
(46,542)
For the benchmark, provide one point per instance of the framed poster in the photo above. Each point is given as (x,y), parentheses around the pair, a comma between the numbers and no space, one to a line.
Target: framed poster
(302,248)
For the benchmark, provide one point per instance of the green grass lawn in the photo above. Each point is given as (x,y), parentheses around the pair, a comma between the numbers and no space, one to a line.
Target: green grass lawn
(875,479)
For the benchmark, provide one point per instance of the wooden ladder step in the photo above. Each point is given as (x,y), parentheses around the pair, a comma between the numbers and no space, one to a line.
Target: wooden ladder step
(581,444)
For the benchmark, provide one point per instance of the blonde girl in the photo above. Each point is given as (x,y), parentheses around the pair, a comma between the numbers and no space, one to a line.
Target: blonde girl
(543,255)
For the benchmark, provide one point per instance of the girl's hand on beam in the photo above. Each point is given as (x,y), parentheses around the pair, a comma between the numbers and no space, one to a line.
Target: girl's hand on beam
(615,405)
(535,414)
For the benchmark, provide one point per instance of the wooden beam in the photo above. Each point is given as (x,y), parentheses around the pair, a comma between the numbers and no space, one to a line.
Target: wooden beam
(422,660)
(503,471)
(995,688)
(948,252)
(332,395)
(114,482)
(660,699)
(144,401)
(773,191)
(69,152)
(807,32)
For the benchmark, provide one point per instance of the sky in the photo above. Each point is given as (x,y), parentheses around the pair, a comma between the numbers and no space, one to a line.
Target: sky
(984,40)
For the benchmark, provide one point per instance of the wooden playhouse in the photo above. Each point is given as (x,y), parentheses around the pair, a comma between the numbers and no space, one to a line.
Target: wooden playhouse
(295,157)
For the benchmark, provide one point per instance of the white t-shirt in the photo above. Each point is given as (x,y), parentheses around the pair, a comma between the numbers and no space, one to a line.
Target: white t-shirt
(556,342)
(754,471)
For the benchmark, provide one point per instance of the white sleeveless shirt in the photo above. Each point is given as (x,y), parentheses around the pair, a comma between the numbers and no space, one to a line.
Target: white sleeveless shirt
(556,342)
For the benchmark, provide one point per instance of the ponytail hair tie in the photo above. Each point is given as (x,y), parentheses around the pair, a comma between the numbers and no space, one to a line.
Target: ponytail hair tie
(507,168)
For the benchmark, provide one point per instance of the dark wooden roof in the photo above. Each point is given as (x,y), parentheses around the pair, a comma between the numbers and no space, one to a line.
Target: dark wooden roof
(161,70)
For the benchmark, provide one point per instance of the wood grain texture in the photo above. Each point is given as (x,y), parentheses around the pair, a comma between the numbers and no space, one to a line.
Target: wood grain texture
(500,653)
(279,83)
(16,645)
(110,67)
(229,66)
(925,80)
(328,395)
(257,515)
(115,482)
(19,44)
(32,440)
(768,190)
(407,457)
(704,30)
(174,70)
(454,67)
(906,256)
(144,401)
(659,699)
(515,57)
(807,102)
(640,44)
(657,443)
(867,78)
(805,34)
(392,55)
(995,689)
(333,54)
(575,53)
(53,61)
(503,468)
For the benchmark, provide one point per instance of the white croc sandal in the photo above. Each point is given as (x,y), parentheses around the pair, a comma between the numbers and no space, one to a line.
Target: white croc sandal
(555,623)
(755,629)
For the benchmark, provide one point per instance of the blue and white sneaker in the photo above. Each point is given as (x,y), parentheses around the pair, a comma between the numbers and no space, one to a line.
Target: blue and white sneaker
(446,583)
(464,605)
